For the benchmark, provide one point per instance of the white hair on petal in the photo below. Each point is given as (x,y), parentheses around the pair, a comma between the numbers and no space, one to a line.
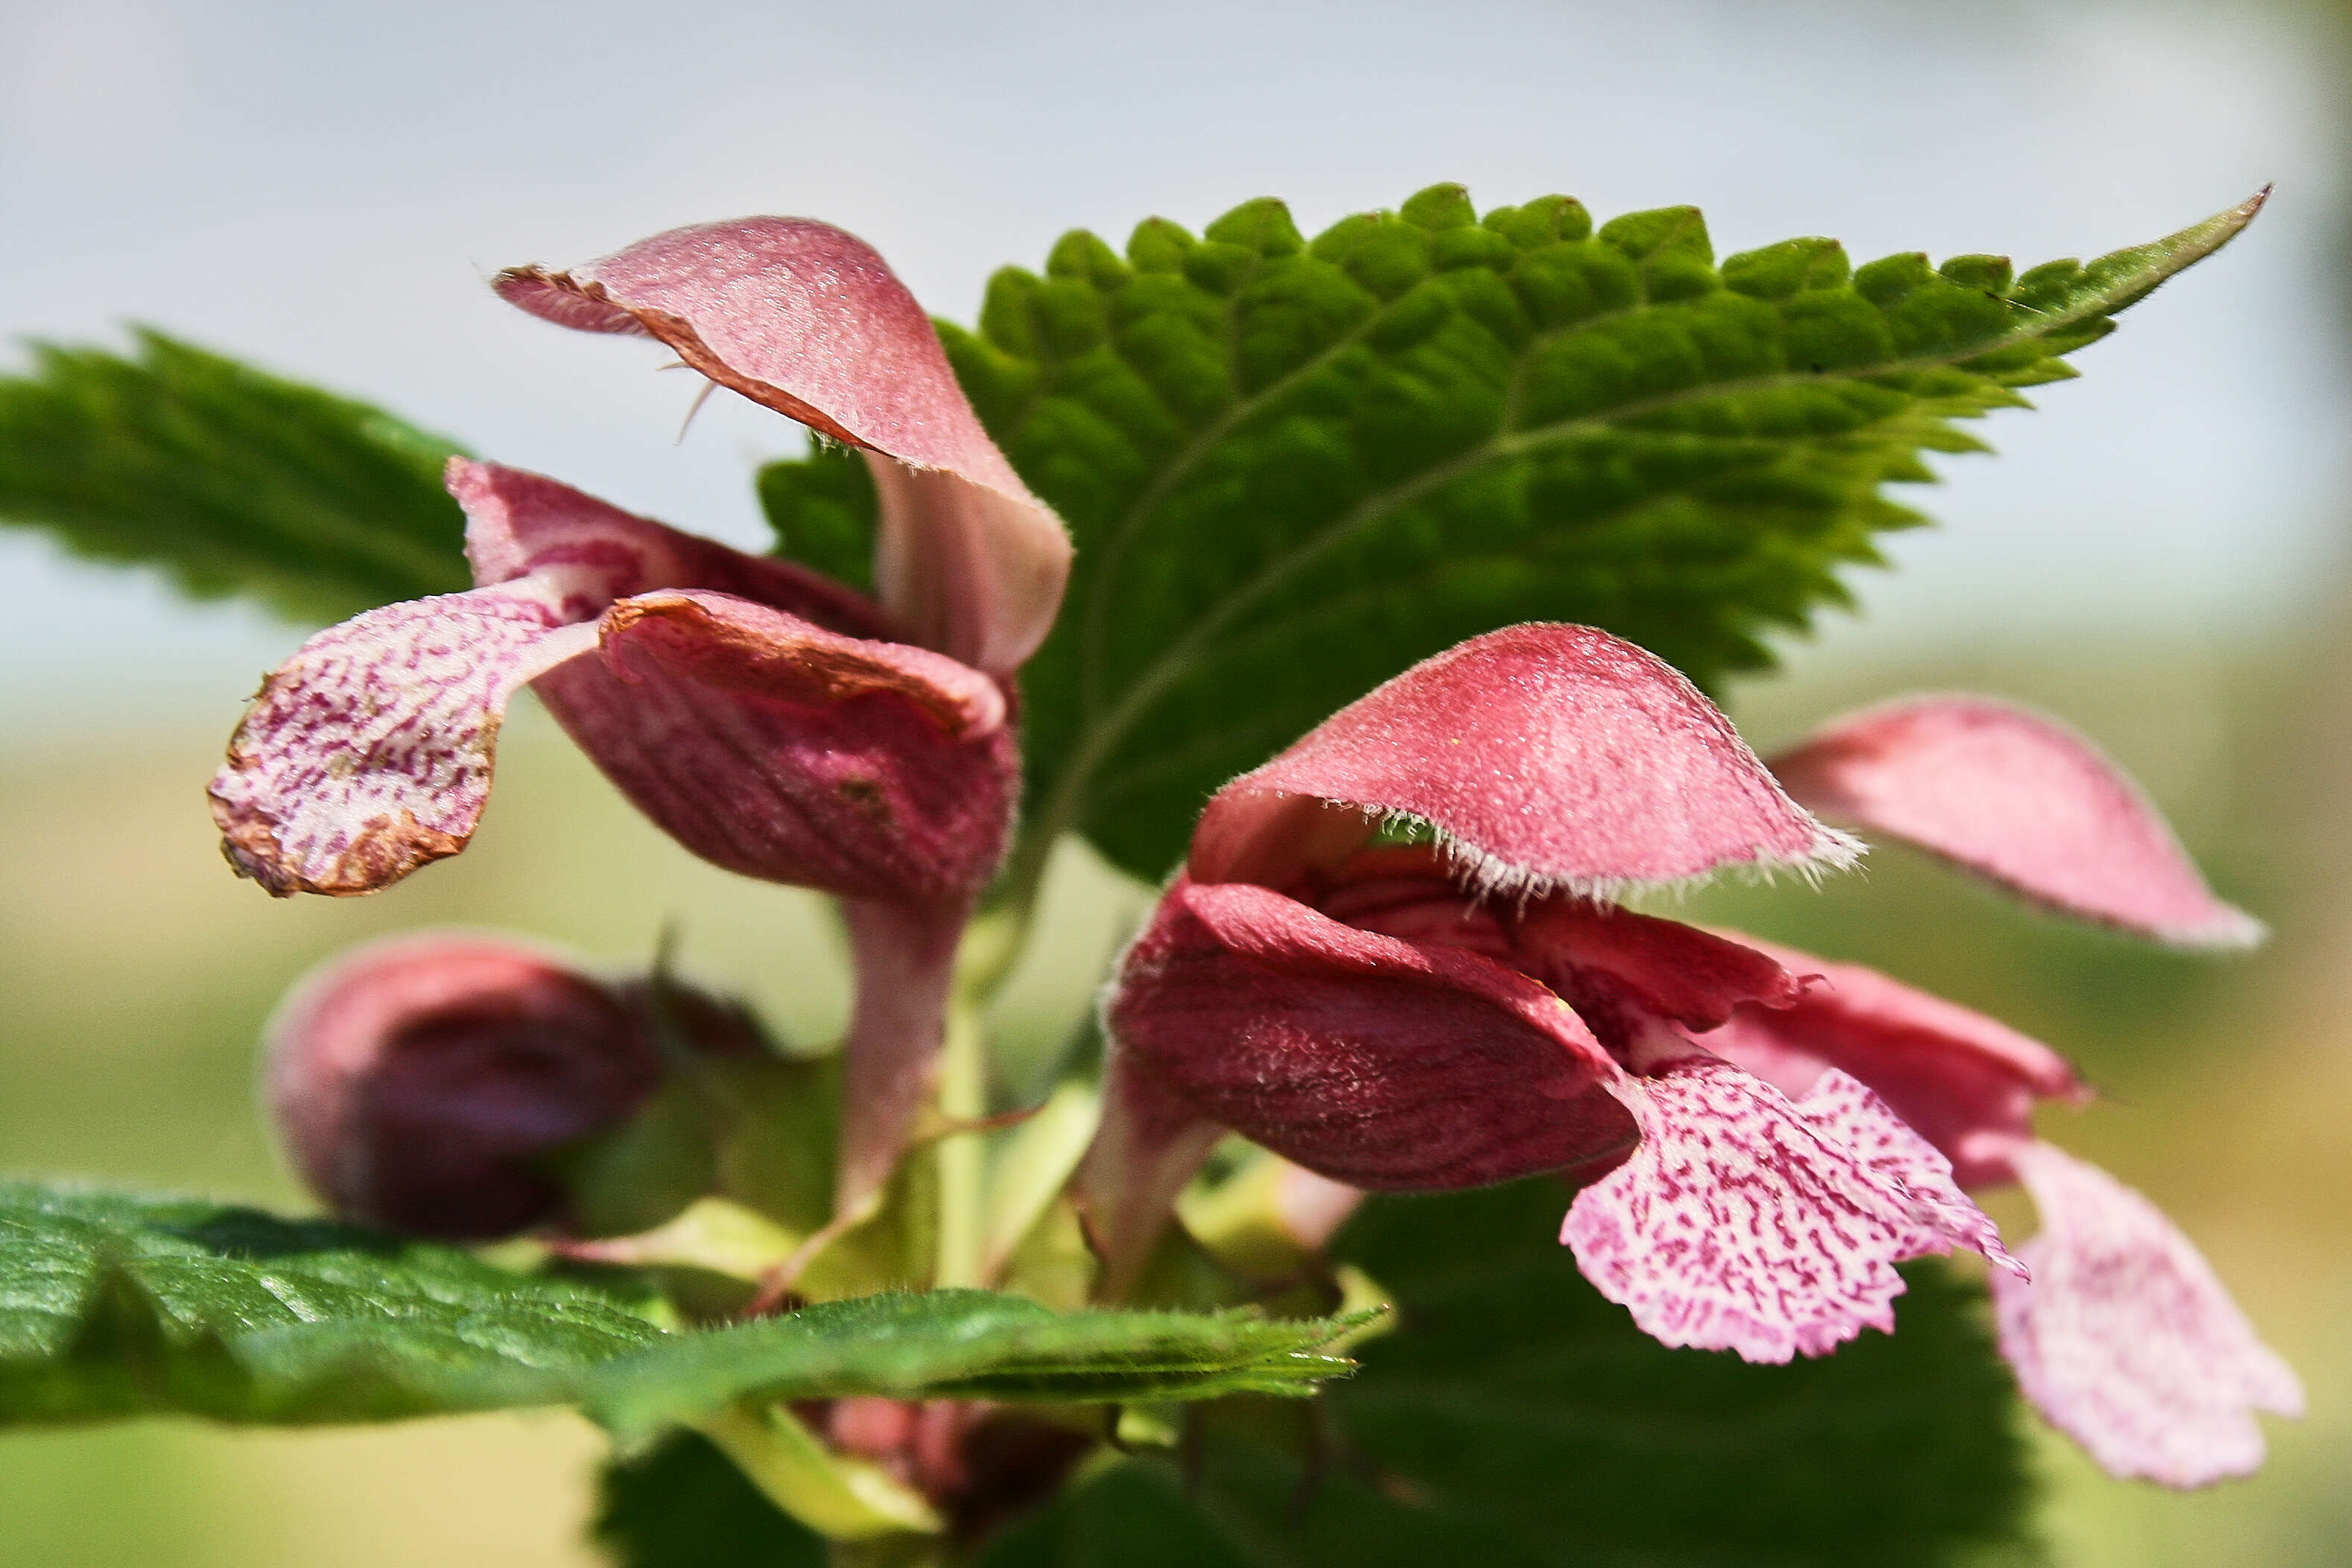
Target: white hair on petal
(1484,876)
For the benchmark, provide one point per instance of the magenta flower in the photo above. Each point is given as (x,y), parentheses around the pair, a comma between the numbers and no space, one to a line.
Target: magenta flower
(775,723)
(1468,1008)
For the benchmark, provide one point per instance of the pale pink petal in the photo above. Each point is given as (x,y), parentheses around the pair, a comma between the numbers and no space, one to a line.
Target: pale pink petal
(368,753)
(2022,799)
(808,320)
(1966,1083)
(1548,757)
(776,748)
(1744,1223)
(2124,1340)
(1374,1061)
(418,1082)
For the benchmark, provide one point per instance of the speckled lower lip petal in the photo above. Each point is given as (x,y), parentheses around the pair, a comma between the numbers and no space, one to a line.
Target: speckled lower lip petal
(2126,1340)
(1749,1223)
(369,753)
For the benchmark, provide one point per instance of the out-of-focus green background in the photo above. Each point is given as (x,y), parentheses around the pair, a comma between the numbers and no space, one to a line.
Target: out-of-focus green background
(2158,558)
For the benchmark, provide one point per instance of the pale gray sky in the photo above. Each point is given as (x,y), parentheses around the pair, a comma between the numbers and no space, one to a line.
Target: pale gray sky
(323,188)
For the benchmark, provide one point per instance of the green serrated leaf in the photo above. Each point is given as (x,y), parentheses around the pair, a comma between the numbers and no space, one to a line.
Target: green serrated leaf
(1516,1417)
(112,1306)
(958,1344)
(232,480)
(1293,467)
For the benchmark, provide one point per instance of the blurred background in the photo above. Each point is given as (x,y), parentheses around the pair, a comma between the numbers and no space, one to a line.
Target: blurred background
(2159,555)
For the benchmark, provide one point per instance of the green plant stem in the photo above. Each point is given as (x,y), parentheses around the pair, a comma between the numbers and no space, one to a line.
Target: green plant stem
(963,1168)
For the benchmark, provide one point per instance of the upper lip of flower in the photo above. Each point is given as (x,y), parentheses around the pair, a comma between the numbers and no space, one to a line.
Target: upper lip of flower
(808,320)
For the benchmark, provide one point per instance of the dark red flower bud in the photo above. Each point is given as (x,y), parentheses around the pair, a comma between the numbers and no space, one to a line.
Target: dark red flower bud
(419,1083)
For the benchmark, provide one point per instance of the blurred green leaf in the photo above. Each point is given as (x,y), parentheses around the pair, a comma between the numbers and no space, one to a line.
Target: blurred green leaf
(1518,1419)
(683,1504)
(232,480)
(959,1344)
(113,1305)
(1294,467)
(823,508)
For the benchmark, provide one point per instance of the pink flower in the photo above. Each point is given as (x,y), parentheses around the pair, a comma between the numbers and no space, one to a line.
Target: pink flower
(775,723)
(2122,1336)
(1466,1008)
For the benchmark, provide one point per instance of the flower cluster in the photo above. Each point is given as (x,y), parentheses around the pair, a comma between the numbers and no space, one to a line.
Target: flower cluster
(1396,955)
(777,724)
(1757,1137)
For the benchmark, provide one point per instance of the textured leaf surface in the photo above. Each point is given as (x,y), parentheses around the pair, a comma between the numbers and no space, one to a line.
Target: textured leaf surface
(1518,1419)
(960,1344)
(112,1306)
(1293,467)
(232,480)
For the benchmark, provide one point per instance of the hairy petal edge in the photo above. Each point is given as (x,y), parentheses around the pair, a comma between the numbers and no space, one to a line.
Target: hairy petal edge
(808,320)
(1548,758)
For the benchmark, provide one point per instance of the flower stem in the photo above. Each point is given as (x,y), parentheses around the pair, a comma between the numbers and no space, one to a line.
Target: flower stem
(963,1168)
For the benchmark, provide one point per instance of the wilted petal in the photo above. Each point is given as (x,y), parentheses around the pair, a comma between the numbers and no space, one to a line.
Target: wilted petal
(808,320)
(1966,1083)
(2019,799)
(2124,1340)
(369,752)
(1549,757)
(1746,1223)
(772,747)
(417,1083)
(1374,1061)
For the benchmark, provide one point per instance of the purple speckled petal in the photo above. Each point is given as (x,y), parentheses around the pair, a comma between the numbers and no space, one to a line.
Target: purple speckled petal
(368,753)
(1746,1223)
(1844,1111)
(2126,1340)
